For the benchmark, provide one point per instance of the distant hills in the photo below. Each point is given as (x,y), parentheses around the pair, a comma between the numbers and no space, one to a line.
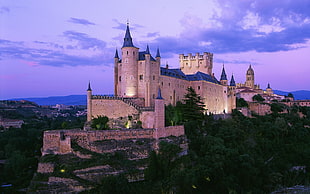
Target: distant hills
(81,99)
(298,95)
(53,100)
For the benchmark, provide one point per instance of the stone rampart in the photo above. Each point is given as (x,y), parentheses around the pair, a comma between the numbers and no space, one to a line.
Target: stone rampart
(59,141)
(45,167)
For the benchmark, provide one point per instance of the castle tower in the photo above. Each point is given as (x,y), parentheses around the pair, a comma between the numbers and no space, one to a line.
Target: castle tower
(250,78)
(89,103)
(116,61)
(147,76)
(191,64)
(128,68)
(223,79)
(159,111)
(231,95)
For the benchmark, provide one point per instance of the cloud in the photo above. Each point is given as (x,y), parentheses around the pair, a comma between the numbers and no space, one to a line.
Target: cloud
(262,26)
(4,9)
(49,55)
(151,35)
(81,21)
(84,41)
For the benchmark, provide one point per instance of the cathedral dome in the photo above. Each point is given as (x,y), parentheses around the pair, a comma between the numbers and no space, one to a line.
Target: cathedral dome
(250,71)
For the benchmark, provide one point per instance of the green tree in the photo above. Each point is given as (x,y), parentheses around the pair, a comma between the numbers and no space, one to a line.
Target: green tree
(100,123)
(174,114)
(193,108)
(258,98)
(290,95)
(241,102)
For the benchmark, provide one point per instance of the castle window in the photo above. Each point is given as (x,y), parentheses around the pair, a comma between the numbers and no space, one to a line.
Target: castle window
(120,78)
(225,91)
(198,87)
(133,53)
(162,83)
(170,97)
(153,77)
(127,52)
(141,77)
(153,96)
(168,84)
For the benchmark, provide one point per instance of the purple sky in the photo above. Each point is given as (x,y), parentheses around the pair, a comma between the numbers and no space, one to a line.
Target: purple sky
(50,48)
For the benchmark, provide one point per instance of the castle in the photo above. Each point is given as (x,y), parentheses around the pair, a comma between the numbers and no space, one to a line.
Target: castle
(142,87)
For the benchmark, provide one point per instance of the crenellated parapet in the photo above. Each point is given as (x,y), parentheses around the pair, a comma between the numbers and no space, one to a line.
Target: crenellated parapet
(191,64)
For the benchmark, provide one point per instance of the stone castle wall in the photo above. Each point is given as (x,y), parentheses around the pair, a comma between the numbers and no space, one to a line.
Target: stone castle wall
(112,108)
(213,95)
(260,109)
(53,142)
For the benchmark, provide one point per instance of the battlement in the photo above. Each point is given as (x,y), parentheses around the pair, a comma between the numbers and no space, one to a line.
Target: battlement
(190,56)
(192,63)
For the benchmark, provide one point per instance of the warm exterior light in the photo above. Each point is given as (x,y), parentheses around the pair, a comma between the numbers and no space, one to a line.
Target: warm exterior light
(62,170)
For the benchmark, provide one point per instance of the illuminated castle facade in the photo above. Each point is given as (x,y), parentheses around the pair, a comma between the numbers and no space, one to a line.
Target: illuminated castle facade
(139,81)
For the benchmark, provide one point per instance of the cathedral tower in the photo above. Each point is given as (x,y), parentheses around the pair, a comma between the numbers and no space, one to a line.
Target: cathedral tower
(250,78)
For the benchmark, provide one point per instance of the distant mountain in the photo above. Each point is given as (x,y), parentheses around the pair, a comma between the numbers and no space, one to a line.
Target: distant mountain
(298,95)
(81,99)
(53,100)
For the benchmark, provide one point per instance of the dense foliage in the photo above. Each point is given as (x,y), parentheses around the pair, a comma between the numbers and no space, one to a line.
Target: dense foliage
(237,155)
(20,148)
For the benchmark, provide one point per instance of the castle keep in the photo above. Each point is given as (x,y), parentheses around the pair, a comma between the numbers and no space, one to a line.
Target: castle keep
(142,87)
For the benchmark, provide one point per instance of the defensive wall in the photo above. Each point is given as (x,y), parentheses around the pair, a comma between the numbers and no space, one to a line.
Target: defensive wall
(59,141)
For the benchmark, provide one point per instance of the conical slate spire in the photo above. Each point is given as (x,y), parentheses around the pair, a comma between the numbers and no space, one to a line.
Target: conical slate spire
(157,53)
(232,81)
(268,85)
(147,49)
(116,54)
(128,39)
(159,94)
(223,76)
(89,88)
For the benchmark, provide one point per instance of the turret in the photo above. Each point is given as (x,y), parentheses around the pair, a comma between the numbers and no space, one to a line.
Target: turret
(159,111)
(223,77)
(231,95)
(89,103)
(232,81)
(158,57)
(148,73)
(116,61)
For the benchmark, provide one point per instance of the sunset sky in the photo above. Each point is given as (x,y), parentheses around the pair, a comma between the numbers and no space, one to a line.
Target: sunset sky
(54,47)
